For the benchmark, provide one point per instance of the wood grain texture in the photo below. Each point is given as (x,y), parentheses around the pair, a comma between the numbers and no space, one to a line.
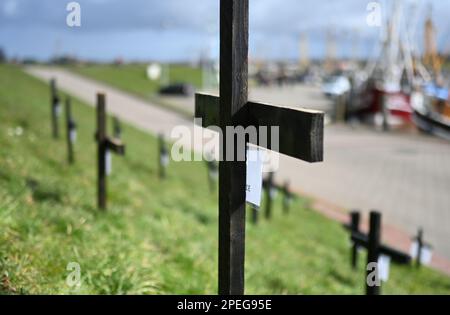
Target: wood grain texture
(232,175)
(300,130)
(115,145)
(101,150)
(207,107)
(373,248)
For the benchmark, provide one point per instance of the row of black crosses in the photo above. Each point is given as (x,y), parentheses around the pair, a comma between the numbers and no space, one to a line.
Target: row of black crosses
(300,136)
(270,190)
(105,144)
(372,242)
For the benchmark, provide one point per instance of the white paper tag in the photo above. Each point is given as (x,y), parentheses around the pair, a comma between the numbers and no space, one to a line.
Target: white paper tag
(214,173)
(273,192)
(58,109)
(164,159)
(73,135)
(426,255)
(255,160)
(414,250)
(108,162)
(383,267)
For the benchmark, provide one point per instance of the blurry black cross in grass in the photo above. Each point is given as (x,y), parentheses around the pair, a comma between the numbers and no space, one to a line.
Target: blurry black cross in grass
(104,143)
(71,131)
(55,107)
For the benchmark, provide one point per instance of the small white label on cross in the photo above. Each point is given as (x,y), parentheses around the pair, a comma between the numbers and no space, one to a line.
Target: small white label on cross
(255,160)
(164,159)
(383,267)
(73,135)
(58,109)
(426,253)
(108,162)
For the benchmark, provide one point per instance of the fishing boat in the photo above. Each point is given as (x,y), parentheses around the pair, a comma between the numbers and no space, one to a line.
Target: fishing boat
(432,111)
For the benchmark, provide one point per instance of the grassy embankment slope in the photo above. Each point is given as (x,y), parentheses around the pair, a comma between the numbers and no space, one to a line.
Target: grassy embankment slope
(157,236)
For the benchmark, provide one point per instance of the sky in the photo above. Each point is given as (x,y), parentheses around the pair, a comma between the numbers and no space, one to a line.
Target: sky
(184,30)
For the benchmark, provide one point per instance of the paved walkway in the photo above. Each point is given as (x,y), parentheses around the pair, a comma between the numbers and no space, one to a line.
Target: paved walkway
(406,177)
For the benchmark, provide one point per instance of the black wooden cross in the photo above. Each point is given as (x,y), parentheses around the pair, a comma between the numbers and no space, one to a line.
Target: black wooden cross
(287,197)
(71,129)
(117,128)
(212,167)
(163,156)
(104,144)
(421,245)
(55,108)
(354,228)
(372,242)
(300,131)
(270,189)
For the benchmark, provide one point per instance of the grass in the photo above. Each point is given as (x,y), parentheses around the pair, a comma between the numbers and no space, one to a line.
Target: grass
(132,78)
(157,237)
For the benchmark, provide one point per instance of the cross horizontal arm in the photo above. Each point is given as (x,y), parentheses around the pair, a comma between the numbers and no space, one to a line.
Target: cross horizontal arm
(300,131)
(116,146)
(207,108)
(361,239)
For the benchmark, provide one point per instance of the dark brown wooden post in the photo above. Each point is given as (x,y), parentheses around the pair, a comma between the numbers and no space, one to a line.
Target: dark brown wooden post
(212,174)
(232,174)
(354,228)
(254,214)
(70,129)
(55,107)
(287,198)
(163,156)
(269,188)
(373,249)
(117,128)
(419,248)
(300,134)
(101,143)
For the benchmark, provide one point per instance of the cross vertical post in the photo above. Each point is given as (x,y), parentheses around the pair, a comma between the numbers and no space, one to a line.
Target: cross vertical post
(298,133)
(269,192)
(286,198)
(254,214)
(54,108)
(354,228)
(101,144)
(373,248)
(117,128)
(212,174)
(419,247)
(70,129)
(232,174)
(104,144)
(163,156)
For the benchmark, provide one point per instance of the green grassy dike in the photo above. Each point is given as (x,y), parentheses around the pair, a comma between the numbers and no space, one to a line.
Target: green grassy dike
(157,237)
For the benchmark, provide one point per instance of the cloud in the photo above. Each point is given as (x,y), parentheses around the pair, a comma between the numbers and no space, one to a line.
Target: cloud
(275,25)
(10,7)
